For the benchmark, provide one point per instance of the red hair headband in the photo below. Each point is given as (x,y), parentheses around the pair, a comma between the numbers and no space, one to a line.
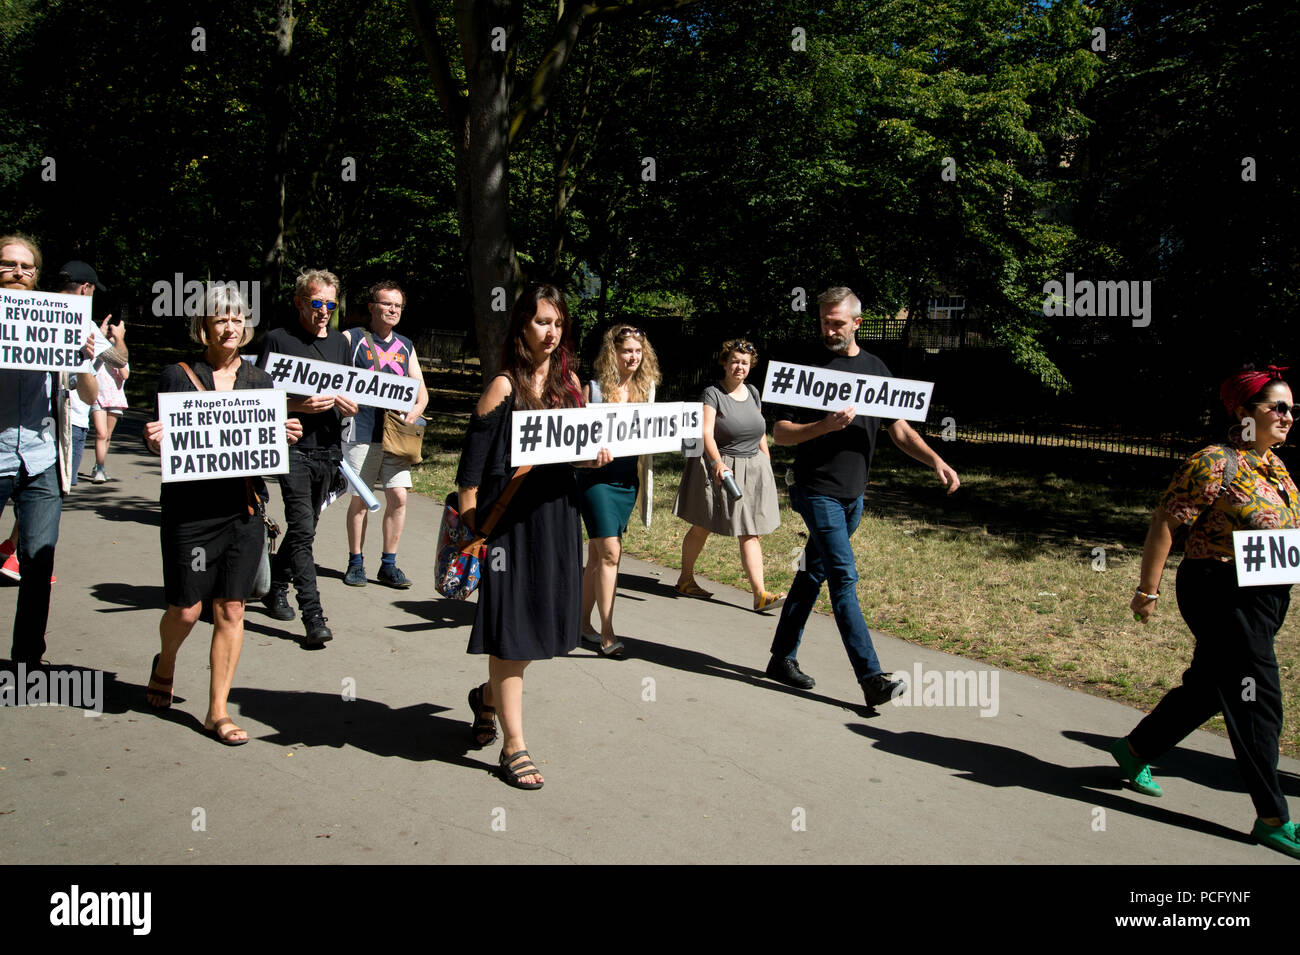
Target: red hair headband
(1238,388)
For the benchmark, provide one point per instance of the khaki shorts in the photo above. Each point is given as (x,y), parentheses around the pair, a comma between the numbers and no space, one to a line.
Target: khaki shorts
(374,464)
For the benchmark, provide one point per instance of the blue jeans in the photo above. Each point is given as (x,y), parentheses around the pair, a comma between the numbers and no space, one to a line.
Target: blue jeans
(78,445)
(37,505)
(827,558)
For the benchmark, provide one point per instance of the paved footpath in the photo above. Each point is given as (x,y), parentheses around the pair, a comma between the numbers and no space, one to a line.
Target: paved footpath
(682,753)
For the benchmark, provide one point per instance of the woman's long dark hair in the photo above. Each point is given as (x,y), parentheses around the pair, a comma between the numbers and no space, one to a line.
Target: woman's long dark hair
(517,362)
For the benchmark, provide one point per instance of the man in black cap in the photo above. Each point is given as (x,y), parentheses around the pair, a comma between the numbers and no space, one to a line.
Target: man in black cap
(78,278)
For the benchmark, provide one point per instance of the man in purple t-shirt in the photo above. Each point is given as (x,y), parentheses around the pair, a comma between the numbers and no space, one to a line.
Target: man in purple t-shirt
(378,347)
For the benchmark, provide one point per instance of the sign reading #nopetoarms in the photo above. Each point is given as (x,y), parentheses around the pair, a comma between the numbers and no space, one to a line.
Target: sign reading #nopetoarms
(209,434)
(803,386)
(1267,557)
(578,434)
(45,331)
(307,376)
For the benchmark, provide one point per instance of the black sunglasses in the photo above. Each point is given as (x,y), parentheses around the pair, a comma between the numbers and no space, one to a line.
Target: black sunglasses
(1279,408)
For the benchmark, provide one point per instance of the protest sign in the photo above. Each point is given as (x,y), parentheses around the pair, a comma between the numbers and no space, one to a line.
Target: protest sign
(219,434)
(307,376)
(45,331)
(578,434)
(1267,557)
(804,386)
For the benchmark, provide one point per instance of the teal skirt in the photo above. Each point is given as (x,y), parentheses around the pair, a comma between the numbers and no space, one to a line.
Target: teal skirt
(608,495)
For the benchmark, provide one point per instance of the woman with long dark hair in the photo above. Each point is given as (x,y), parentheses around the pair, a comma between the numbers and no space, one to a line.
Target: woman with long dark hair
(531,587)
(1236,486)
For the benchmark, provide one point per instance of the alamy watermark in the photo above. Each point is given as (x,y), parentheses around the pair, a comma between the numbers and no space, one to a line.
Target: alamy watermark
(53,686)
(176,297)
(1088,299)
(950,688)
(77,908)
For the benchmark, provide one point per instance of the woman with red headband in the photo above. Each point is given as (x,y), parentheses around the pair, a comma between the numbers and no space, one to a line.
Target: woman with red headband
(1239,485)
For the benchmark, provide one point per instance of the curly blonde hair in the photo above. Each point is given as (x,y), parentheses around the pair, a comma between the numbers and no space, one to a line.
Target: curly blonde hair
(644,378)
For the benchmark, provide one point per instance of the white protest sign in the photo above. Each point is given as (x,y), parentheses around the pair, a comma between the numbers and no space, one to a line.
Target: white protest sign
(219,434)
(307,376)
(577,434)
(803,386)
(44,331)
(1267,557)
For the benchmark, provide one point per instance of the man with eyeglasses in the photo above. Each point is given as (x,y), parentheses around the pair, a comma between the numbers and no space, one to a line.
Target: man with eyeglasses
(35,460)
(314,460)
(832,459)
(379,347)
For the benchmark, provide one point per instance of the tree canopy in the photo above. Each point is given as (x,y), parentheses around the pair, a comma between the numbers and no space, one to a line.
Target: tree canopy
(672,158)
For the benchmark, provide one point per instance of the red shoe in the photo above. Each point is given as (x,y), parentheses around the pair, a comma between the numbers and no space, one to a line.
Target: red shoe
(10,566)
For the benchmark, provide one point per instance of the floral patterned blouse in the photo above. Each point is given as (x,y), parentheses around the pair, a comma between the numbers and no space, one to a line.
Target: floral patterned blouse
(1262,496)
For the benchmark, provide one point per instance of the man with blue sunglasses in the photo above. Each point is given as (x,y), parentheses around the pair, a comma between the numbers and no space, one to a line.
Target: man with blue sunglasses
(314,460)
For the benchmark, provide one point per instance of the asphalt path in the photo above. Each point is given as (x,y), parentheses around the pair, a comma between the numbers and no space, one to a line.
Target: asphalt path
(682,753)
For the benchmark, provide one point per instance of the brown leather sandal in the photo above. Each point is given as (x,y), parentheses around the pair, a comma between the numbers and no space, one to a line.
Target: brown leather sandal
(158,686)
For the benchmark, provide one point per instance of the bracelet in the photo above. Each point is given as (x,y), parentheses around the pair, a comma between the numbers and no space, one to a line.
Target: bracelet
(717,461)
(1139,592)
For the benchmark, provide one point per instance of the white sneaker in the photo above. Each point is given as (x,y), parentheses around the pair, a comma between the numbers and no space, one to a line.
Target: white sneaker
(98,476)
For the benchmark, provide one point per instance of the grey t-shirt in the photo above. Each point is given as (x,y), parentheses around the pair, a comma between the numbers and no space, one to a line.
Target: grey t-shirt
(739,426)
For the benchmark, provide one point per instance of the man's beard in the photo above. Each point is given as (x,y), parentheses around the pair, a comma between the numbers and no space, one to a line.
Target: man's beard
(837,343)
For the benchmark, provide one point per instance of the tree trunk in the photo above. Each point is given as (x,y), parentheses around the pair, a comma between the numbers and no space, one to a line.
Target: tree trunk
(482,154)
(278,114)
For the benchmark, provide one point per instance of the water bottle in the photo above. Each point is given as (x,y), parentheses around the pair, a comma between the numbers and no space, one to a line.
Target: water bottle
(730,486)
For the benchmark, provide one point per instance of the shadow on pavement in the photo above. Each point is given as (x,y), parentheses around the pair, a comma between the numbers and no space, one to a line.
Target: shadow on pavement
(993,765)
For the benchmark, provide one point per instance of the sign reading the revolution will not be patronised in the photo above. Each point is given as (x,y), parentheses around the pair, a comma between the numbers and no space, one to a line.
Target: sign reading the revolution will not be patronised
(804,386)
(1267,557)
(210,434)
(45,331)
(578,434)
(307,376)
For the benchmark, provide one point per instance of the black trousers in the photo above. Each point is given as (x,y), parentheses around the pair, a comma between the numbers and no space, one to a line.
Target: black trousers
(1233,671)
(311,472)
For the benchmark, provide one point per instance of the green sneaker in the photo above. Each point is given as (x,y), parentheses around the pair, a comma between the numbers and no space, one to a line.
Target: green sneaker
(1139,774)
(1282,838)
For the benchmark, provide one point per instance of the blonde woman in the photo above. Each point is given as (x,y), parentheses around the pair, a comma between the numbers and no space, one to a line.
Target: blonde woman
(217,516)
(626,370)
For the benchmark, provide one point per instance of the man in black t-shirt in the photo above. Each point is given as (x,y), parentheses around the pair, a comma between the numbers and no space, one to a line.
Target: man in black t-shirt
(831,464)
(314,460)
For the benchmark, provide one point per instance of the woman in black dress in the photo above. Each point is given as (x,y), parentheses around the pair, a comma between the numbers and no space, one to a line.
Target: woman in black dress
(531,587)
(211,543)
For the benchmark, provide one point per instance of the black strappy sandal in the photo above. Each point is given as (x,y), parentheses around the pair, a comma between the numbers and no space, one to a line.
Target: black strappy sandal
(514,775)
(484,719)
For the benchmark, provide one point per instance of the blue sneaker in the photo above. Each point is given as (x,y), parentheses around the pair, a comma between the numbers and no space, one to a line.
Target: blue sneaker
(356,575)
(392,576)
(1138,773)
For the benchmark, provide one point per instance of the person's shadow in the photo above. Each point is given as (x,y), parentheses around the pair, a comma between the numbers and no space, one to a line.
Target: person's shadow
(418,732)
(991,765)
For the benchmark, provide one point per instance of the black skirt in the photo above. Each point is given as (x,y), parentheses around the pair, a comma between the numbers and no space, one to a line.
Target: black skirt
(530,595)
(210,557)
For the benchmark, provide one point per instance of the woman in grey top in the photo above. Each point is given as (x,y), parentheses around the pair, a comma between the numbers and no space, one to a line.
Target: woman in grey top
(735,440)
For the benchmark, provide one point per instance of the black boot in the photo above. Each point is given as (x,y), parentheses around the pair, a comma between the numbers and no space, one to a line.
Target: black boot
(277,602)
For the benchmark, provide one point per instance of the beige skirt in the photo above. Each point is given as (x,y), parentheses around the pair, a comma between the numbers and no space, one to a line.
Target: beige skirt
(700,501)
